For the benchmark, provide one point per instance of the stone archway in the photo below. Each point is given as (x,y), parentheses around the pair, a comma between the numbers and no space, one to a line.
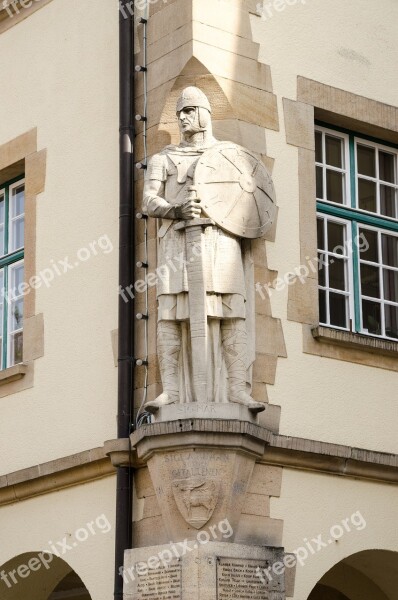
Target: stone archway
(367,575)
(40,576)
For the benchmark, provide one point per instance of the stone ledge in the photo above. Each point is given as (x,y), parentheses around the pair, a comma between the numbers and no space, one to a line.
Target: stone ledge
(334,459)
(54,475)
(13,373)
(355,340)
(18,11)
(242,436)
(278,450)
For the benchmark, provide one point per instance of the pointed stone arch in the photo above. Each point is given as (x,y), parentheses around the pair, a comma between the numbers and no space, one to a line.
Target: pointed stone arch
(225,122)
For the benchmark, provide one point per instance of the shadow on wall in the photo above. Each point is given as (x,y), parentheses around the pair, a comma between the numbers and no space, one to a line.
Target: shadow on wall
(367,575)
(40,576)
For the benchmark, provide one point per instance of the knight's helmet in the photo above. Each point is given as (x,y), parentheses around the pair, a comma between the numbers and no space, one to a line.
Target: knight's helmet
(193,96)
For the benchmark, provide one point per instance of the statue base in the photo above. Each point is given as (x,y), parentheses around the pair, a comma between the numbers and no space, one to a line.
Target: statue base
(209,570)
(195,410)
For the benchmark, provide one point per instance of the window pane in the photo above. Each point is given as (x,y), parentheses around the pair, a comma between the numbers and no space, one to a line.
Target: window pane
(320,233)
(17,234)
(16,315)
(318,146)
(2,207)
(18,201)
(321,270)
(337,279)
(1,240)
(391,313)
(366,160)
(334,186)
(388,206)
(1,303)
(387,167)
(371,317)
(390,279)
(322,306)
(336,237)
(334,151)
(319,183)
(338,309)
(372,253)
(389,246)
(16,351)
(370,281)
(367,195)
(17,277)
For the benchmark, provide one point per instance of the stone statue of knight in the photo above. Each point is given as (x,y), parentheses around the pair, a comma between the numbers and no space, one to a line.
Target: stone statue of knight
(227,268)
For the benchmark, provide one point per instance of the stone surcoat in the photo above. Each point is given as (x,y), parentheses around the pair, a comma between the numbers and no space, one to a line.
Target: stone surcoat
(223,264)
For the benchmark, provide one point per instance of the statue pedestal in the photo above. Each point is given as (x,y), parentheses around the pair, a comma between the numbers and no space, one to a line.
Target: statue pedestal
(196,410)
(207,570)
(201,470)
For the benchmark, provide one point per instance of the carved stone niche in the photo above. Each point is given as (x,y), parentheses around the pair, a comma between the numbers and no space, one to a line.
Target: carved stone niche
(201,470)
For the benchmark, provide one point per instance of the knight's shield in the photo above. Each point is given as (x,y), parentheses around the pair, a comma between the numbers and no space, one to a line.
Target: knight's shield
(196,499)
(236,190)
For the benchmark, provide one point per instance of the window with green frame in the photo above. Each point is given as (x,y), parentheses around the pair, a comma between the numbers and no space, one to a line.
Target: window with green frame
(357,218)
(12,222)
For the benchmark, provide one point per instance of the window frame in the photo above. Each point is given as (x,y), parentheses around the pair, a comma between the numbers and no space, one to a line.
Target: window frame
(349,274)
(350,213)
(7,261)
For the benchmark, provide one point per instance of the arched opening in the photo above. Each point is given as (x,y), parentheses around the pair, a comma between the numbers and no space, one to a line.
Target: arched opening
(367,575)
(40,576)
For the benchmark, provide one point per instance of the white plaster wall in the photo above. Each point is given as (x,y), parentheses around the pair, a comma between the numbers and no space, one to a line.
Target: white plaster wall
(352,46)
(59,73)
(312,504)
(34,525)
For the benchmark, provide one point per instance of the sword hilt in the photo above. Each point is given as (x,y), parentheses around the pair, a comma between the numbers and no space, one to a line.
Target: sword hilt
(194,223)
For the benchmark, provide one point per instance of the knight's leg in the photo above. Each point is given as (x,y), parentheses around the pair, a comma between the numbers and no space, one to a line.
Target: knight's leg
(234,341)
(169,340)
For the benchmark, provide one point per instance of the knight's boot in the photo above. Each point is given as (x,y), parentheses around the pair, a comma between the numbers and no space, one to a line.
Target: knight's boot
(234,341)
(169,345)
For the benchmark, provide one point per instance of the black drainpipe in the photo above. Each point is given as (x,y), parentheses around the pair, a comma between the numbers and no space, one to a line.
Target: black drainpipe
(124,504)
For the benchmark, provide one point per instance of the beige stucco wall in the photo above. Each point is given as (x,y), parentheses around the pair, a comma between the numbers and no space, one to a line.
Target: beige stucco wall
(61,69)
(59,73)
(37,524)
(352,46)
(306,508)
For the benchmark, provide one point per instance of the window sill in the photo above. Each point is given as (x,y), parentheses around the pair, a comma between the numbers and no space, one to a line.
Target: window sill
(13,373)
(355,340)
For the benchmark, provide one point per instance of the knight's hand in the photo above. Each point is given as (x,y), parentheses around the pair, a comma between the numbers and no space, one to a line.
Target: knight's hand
(191,209)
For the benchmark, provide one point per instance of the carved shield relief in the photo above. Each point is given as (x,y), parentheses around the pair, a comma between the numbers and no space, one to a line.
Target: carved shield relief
(236,190)
(196,498)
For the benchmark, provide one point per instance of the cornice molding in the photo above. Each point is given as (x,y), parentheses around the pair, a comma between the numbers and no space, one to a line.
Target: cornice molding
(283,451)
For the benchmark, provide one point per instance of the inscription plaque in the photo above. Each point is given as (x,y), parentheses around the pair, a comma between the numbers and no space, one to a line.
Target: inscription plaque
(164,583)
(240,578)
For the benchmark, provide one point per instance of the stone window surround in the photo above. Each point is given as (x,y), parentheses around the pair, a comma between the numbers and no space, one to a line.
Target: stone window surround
(317,101)
(17,157)
(19,9)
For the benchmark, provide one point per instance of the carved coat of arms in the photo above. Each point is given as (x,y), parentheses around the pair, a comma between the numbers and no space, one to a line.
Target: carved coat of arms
(196,498)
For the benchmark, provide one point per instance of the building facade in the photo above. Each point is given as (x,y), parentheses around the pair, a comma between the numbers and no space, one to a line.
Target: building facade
(310,86)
